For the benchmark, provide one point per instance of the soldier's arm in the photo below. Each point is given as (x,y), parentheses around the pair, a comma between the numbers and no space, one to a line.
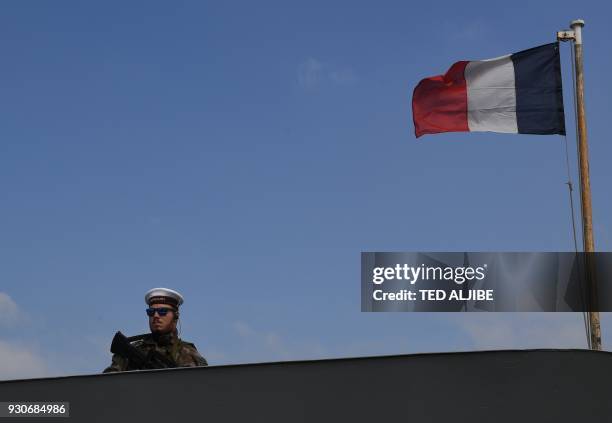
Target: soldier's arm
(195,358)
(198,359)
(119,364)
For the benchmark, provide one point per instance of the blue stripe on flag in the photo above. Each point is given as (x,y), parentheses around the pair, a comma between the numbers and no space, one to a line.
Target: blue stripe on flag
(539,93)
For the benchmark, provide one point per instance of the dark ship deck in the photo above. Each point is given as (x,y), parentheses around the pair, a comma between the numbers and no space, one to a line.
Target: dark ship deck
(496,386)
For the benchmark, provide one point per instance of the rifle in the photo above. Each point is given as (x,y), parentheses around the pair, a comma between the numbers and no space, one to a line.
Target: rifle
(137,359)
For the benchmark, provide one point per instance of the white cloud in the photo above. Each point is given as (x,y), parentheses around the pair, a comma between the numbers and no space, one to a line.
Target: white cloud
(20,362)
(343,76)
(215,356)
(243,330)
(266,345)
(17,361)
(309,73)
(9,311)
(473,30)
(313,72)
(12,315)
(524,330)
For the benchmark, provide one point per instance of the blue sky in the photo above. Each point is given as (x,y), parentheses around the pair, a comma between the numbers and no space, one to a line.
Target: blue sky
(246,153)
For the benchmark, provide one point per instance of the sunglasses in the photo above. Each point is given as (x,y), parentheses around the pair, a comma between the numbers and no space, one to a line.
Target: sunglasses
(162,311)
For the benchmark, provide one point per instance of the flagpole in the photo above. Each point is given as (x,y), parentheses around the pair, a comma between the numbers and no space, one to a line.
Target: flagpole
(585,182)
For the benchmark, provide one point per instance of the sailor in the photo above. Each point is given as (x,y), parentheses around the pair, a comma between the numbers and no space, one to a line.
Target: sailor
(163,315)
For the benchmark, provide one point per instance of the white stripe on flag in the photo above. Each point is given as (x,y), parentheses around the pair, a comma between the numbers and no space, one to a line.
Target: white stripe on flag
(491,95)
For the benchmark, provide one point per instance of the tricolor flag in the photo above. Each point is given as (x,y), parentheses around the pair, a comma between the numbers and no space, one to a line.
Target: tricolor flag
(517,93)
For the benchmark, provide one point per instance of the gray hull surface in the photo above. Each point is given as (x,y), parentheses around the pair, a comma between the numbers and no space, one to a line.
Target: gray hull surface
(499,386)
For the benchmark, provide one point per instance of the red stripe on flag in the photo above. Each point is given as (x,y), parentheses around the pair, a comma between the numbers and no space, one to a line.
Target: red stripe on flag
(439,103)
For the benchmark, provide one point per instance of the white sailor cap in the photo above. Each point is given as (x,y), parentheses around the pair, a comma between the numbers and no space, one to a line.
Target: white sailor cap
(163,296)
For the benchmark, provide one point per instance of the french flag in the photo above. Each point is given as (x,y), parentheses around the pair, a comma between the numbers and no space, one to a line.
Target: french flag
(518,93)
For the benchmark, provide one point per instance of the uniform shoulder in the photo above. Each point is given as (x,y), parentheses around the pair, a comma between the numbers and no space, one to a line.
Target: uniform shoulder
(190,350)
(188,345)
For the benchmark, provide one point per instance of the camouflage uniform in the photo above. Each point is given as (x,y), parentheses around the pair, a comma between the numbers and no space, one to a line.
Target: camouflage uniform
(183,353)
